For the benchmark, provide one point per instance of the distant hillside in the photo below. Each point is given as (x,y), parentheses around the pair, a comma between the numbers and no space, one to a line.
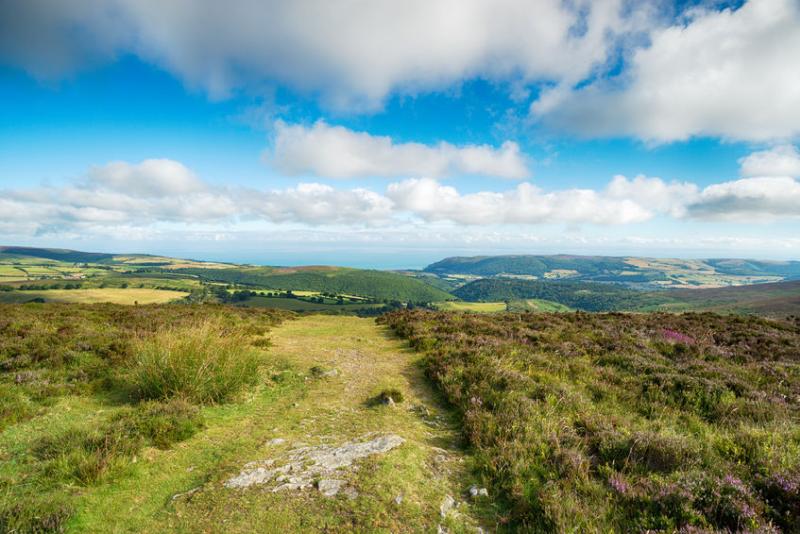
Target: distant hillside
(781,298)
(586,296)
(38,268)
(70,256)
(380,285)
(632,271)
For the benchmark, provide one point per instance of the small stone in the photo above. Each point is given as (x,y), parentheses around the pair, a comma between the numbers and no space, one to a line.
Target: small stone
(350,492)
(475,491)
(398,500)
(441,530)
(276,441)
(447,504)
(329,486)
(331,373)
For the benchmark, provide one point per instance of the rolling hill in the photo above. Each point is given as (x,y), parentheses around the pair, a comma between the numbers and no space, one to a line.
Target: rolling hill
(40,269)
(643,273)
(780,298)
(380,285)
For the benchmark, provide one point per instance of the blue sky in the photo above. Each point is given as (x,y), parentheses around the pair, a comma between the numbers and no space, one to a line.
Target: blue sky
(391,134)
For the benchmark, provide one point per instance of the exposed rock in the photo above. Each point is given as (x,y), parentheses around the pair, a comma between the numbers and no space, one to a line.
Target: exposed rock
(329,486)
(441,530)
(475,491)
(350,492)
(447,505)
(398,500)
(276,441)
(305,464)
(330,374)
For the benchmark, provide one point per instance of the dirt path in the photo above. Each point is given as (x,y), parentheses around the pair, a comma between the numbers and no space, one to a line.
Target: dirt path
(399,490)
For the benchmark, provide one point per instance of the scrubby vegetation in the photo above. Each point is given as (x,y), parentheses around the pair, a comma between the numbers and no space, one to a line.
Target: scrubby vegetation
(148,370)
(626,423)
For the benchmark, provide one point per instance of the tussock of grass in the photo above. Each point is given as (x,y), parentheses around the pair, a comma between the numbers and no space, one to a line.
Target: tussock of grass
(205,363)
(387,396)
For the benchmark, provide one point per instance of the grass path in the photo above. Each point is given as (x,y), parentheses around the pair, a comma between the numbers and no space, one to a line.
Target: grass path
(330,410)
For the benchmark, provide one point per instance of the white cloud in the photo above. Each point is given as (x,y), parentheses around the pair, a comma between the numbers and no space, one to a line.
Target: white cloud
(654,193)
(351,53)
(732,74)
(150,178)
(782,160)
(321,204)
(337,152)
(526,204)
(166,193)
(749,199)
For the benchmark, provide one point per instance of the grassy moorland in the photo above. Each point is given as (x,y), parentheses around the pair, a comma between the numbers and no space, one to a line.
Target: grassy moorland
(87,391)
(132,419)
(624,423)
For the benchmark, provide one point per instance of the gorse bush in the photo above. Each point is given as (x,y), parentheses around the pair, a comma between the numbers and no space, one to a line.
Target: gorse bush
(625,423)
(205,363)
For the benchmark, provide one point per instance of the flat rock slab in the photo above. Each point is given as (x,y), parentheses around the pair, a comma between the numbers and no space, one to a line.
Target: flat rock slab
(303,465)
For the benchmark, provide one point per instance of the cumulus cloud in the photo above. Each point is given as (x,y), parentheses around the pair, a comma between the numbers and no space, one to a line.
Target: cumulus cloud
(351,53)
(147,195)
(782,160)
(51,39)
(749,199)
(337,152)
(730,73)
(526,204)
(122,194)
(150,178)
(320,204)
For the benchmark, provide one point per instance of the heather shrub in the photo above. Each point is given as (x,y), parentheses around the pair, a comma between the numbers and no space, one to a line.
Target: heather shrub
(628,423)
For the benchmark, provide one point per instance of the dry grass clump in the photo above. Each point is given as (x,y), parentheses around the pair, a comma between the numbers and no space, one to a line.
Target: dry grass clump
(205,363)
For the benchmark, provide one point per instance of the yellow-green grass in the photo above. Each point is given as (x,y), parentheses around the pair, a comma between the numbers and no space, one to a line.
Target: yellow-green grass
(476,307)
(91,296)
(290,403)
(537,305)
